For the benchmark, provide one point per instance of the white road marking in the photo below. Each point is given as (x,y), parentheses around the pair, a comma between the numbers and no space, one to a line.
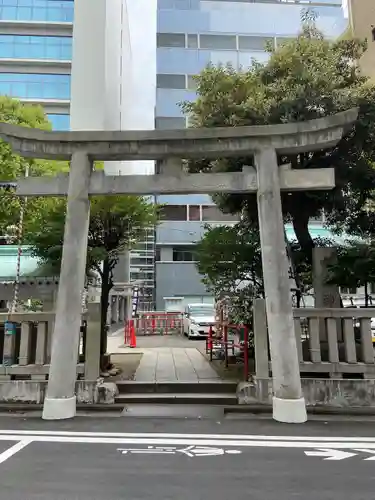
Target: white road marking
(366,450)
(329,454)
(188,441)
(13,450)
(147,435)
(189,451)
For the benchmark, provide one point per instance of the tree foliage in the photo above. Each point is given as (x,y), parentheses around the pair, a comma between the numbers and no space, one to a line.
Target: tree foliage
(116,224)
(230,262)
(305,78)
(13,166)
(355,266)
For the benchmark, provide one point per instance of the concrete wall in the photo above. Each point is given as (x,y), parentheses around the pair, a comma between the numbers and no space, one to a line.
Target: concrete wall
(177,279)
(317,393)
(362,21)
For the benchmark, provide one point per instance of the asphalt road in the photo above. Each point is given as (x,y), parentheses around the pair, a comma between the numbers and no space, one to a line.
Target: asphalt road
(210,459)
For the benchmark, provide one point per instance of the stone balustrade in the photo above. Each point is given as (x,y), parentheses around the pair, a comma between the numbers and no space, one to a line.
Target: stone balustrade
(26,354)
(330,342)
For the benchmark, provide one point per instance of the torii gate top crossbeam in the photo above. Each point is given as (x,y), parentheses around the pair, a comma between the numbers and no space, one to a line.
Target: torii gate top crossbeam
(190,143)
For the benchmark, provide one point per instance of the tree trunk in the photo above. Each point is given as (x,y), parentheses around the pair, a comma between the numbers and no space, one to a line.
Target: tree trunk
(301,229)
(104,299)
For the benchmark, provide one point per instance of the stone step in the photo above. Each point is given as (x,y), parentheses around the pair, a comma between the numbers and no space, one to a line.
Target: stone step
(209,387)
(177,398)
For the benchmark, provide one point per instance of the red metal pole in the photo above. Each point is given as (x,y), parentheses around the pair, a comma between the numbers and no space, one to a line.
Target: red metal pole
(225,337)
(246,353)
(210,341)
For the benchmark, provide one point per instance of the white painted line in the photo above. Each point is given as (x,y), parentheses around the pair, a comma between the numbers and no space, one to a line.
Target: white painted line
(147,435)
(187,441)
(13,450)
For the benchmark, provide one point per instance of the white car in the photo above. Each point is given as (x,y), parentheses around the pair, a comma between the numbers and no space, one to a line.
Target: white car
(197,320)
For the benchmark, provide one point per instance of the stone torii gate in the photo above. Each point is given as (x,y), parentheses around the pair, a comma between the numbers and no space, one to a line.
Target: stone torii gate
(169,147)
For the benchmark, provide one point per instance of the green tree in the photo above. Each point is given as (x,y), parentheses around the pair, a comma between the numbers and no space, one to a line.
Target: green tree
(229,260)
(355,267)
(13,166)
(116,224)
(305,78)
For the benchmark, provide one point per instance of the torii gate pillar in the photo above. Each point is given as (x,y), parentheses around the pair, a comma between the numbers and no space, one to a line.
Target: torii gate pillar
(288,402)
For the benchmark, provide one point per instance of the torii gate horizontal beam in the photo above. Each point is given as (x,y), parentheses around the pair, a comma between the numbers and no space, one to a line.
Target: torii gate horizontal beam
(219,142)
(235,182)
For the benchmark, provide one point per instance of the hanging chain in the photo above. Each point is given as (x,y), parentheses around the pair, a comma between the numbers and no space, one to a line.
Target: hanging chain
(13,306)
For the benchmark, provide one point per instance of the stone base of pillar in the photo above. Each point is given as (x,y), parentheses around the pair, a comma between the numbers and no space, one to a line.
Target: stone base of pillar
(289,411)
(59,408)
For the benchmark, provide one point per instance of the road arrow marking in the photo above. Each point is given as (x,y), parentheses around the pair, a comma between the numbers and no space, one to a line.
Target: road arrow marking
(189,451)
(330,454)
(366,450)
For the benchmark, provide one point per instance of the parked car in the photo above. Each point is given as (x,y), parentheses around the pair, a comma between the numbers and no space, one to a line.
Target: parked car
(197,320)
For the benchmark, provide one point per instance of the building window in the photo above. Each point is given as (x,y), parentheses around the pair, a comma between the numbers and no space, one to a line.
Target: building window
(173,212)
(218,42)
(35,47)
(170,40)
(165,81)
(59,122)
(169,123)
(35,86)
(213,214)
(195,212)
(157,255)
(183,254)
(192,41)
(36,10)
(254,42)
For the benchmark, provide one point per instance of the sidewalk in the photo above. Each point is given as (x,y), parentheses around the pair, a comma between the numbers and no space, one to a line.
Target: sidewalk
(167,359)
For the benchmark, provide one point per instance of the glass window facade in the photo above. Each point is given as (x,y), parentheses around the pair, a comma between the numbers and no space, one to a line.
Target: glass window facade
(59,122)
(37,10)
(170,81)
(35,47)
(35,86)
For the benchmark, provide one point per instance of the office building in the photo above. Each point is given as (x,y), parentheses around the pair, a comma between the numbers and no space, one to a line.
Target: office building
(192,33)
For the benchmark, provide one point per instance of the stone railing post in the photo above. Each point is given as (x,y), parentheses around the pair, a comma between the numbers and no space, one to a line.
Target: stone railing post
(288,403)
(92,354)
(60,402)
(260,338)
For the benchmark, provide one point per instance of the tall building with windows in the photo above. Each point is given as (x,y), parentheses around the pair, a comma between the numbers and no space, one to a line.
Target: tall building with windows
(134,66)
(191,34)
(35,54)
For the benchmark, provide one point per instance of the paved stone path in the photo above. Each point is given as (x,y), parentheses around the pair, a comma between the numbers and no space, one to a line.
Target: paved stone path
(163,364)
(167,359)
